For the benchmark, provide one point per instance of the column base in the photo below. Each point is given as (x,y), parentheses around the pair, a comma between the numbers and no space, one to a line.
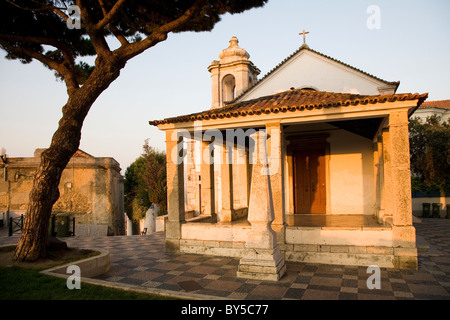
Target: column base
(225,215)
(262,264)
(172,245)
(406,258)
(173,236)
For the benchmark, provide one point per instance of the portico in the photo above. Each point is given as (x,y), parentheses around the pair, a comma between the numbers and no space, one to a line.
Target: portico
(298,175)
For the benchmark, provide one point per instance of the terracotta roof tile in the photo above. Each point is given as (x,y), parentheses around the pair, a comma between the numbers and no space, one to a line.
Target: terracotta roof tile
(436,104)
(290,101)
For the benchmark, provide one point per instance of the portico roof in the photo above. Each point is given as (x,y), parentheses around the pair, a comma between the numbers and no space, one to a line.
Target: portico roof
(291,101)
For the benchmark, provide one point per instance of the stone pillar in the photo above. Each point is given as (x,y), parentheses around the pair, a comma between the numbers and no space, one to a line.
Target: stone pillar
(226,178)
(274,151)
(378,176)
(262,259)
(207,181)
(289,178)
(175,190)
(403,232)
(240,177)
(387,204)
(192,195)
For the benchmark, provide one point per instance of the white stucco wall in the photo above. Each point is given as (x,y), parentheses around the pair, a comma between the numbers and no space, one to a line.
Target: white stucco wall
(428,112)
(308,69)
(351,170)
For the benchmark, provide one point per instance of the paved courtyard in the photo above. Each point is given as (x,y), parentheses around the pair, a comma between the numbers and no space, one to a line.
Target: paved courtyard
(139,262)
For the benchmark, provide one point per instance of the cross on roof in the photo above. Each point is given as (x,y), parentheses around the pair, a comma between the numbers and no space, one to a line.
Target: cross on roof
(304,33)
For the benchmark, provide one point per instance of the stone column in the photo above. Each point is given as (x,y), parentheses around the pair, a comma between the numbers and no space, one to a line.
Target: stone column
(378,176)
(274,151)
(207,181)
(175,191)
(387,204)
(192,195)
(240,177)
(243,175)
(226,177)
(403,232)
(262,258)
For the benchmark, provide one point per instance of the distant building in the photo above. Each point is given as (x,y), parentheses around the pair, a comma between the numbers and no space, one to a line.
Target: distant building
(91,191)
(429,108)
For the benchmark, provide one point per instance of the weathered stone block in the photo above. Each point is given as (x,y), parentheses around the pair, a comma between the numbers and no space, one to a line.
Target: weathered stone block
(404,236)
(305,247)
(262,265)
(355,249)
(339,249)
(406,262)
(172,245)
(380,250)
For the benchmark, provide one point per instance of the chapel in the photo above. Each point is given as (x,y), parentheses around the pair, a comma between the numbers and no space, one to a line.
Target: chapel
(309,163)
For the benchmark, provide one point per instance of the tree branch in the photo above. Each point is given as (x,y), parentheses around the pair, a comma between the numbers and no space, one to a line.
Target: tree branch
(96,35)
(188,14)
(110,15)
(60,13)
(43,8)
(160,34)
(119,36)
(65,49)
(66,72)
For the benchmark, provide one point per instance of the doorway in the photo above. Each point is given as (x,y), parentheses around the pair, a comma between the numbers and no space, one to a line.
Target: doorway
(310,181)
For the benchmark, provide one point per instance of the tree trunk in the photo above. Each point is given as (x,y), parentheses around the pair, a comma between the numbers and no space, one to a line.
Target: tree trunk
(65,142)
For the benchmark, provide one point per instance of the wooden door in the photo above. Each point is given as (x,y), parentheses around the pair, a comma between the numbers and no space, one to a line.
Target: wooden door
(310,182)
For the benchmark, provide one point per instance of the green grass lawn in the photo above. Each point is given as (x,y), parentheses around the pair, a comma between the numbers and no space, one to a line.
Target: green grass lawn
(18,283)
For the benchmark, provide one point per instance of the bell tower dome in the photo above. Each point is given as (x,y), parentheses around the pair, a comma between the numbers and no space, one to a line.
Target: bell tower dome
(232,74)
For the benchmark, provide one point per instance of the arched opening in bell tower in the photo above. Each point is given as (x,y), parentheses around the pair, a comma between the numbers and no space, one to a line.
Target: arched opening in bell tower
(229,88)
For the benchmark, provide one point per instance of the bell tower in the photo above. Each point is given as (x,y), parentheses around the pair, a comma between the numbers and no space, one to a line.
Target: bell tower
(232,74)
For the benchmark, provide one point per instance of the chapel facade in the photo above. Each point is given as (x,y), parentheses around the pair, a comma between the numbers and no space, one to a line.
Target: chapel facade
(309,163)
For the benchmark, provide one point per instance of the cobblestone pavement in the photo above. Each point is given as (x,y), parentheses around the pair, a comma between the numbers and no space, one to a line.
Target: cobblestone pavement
(139,262)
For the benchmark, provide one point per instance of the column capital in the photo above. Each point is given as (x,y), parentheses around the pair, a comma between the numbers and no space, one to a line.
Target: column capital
(399,118)
(273,123)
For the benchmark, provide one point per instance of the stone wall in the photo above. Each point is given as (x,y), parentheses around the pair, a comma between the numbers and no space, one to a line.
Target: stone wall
(91,190)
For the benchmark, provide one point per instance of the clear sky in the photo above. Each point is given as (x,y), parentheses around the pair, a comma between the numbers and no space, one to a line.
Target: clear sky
(412,45)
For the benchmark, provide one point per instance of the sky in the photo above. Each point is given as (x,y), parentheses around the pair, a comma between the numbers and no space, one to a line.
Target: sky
(409,42)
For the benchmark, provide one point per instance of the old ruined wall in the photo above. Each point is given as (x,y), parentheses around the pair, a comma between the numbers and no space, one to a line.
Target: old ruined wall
(91,190)
(15,184)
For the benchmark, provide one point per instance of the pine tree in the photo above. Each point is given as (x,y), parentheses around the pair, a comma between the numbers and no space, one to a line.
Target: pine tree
(58,35)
